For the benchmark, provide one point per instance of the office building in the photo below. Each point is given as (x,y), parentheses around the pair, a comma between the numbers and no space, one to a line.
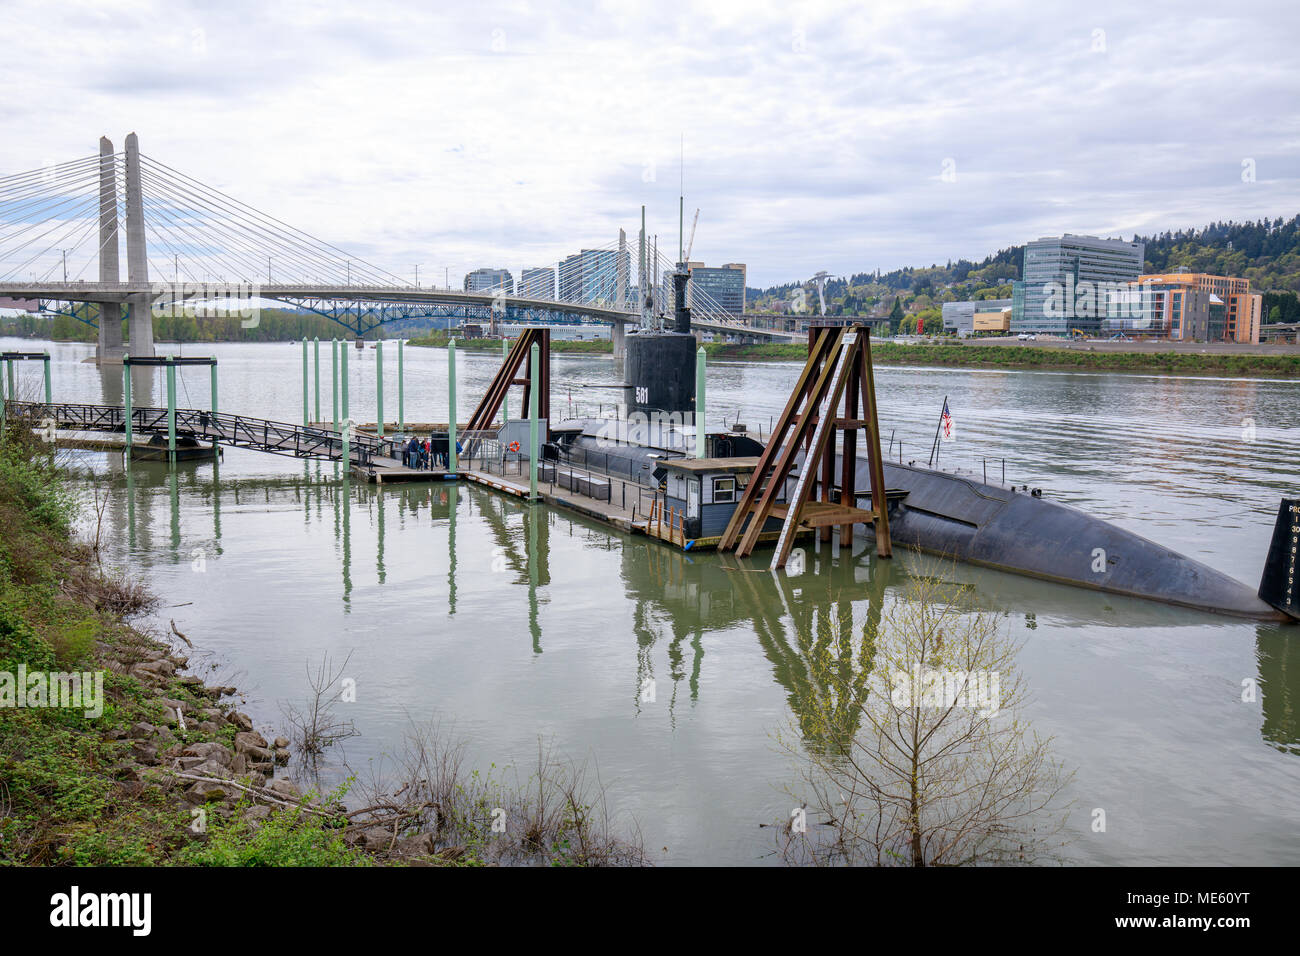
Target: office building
(537,283)
(986,315)
(489,280)
(1190,306)
(596,275)
(1069,281)
(721,287)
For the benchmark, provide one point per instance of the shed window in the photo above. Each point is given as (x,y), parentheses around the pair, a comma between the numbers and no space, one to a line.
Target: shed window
(724,490)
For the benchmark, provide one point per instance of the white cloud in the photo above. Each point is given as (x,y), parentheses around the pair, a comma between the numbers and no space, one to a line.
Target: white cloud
(512,134)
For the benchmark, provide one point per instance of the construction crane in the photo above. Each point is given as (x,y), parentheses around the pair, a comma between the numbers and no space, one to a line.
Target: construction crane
(691,244)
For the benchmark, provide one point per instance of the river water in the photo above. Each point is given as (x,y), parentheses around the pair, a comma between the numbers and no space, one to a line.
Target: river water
(508,624)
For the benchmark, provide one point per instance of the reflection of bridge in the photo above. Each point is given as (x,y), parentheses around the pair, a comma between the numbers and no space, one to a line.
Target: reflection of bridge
(187,241)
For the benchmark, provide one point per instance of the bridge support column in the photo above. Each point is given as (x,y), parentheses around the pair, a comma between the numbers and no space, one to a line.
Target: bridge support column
(139,307)
(619,335)
(109,347)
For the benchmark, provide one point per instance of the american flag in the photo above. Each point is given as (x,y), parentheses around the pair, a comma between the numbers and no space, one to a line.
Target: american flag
(948,429)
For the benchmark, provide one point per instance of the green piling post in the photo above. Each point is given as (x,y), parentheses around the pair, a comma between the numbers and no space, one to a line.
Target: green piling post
(213,368)
(126,394)
(401,396)
(4,395)
(171,410)
(534,363)
(306,412)
(379,386)
(343,377)
(451,406)
(13,393)
(315,347)
(699,402)
(334,381)
(49,385)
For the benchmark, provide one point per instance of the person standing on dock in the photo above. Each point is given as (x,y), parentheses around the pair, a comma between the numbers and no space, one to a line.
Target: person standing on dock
(413,453)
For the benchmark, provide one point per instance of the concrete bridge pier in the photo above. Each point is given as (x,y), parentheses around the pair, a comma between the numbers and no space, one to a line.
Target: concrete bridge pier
(619,334)
(109,348)
(139,307)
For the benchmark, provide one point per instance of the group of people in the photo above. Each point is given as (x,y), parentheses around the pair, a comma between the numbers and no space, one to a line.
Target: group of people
(433,452)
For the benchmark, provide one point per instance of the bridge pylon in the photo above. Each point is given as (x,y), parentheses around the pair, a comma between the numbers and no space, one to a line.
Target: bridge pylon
(139,306)
(109,347)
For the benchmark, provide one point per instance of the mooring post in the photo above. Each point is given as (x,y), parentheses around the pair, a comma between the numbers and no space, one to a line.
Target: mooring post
(214,421)
(315,346)
(401,393)
(306,411)
(451,406)
(49,386)
(171,409)
(534,377)
(334,381)
(126,394)
(379,386)
(699,403)
(13,394)
(343,377)
(4,395)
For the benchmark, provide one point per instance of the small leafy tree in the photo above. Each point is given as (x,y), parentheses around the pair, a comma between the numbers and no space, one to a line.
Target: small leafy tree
(941,770)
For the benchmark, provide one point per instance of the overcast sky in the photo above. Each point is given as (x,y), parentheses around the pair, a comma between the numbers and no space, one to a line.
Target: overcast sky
(843,137)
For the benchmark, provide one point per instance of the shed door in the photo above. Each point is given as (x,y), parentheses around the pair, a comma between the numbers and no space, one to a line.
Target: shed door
(693,498)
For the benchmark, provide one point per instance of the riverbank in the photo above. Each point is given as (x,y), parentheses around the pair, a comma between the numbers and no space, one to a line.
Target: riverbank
(136,761)
(964,355)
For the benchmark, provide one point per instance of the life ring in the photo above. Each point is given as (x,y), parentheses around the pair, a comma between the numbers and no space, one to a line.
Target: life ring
(514,446)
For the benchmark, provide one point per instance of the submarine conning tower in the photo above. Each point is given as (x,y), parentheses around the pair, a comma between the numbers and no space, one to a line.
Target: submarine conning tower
(660,365)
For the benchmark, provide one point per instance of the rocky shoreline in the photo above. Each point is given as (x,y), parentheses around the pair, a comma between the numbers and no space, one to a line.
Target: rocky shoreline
(206,757)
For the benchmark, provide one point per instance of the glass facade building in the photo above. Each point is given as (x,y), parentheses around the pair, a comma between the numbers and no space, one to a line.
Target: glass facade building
(1068,281)
(489,280)
(596,275)
(537,283)
(723,286)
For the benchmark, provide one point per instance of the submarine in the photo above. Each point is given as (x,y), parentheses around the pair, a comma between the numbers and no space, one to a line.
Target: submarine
(951,514)
(958,516)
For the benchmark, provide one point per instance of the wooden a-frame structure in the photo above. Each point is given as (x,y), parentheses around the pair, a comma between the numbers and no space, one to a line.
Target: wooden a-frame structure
(838,367)
(508,375)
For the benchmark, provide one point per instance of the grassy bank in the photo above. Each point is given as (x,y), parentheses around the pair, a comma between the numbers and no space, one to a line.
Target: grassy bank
(990,356)
(159,770)
(439,341)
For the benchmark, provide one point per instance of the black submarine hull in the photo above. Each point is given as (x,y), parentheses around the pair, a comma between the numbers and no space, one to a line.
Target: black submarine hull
(959,517)
(962,518)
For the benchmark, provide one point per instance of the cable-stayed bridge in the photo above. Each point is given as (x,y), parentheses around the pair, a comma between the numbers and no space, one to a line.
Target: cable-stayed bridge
(62,229)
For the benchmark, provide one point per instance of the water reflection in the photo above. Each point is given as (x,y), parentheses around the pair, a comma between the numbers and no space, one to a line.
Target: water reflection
(808,626)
